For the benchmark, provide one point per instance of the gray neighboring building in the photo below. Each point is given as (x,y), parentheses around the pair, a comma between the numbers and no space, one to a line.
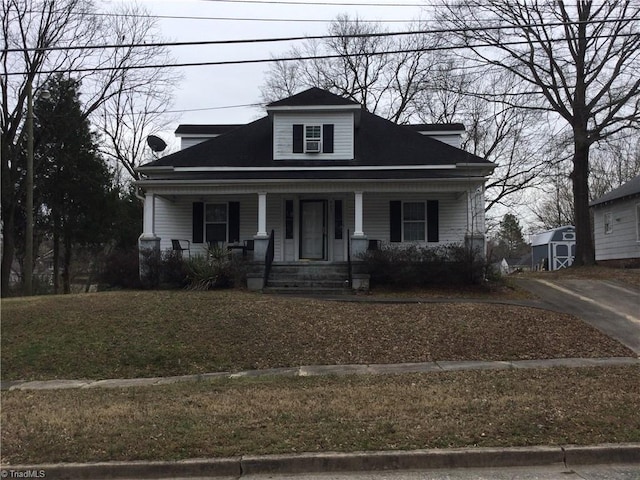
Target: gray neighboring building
(616,225)
(553,249)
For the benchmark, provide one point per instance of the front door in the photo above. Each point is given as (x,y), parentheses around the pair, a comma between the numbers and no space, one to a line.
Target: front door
(313,221)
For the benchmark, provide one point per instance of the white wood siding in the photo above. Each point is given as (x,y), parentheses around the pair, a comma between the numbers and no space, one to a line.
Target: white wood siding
(342,139)
(453,139)
(622,242)
(452,213)
(174,219)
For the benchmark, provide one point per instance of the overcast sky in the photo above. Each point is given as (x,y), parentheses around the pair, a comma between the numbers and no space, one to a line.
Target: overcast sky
(219,89)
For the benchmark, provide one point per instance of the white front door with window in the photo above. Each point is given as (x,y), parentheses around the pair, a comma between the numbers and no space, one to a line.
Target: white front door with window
(312,229)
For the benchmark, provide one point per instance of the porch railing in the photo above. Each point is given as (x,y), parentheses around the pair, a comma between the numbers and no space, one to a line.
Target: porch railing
(349,266)
(268,258)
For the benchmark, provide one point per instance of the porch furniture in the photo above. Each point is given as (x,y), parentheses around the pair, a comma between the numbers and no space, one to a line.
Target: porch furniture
(177,246)
(247,246)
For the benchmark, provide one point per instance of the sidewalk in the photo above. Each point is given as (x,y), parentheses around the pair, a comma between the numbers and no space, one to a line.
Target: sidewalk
(317,370)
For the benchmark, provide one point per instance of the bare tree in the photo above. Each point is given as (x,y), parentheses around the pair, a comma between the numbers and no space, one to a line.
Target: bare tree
(496,129)
(383,73)
(416,81)
(139,103)
(580,62)
(43,37)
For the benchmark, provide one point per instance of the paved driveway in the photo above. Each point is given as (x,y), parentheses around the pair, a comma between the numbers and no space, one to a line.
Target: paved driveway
(611,307)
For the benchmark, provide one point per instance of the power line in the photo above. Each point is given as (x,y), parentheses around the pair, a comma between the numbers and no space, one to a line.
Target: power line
(304,3)
(254,19)
(299,58)
(306,37)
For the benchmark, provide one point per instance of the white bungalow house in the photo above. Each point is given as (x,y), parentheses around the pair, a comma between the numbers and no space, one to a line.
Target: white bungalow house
(327,177)
(616,225)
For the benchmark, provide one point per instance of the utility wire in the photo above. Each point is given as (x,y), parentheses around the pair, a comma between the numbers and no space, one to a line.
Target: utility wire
(307,37)
(318,3)
(298,58)
(254,19)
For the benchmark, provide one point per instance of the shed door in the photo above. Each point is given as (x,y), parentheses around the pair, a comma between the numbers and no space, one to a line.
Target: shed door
(562,255)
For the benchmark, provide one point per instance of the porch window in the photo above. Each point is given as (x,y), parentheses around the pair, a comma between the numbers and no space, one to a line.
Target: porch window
(216,222)
(288,218)
(608,223)
(413,221)
(338,220)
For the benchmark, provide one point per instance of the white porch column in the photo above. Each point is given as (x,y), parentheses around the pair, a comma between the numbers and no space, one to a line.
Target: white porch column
(262,214)
(148,226)
(148,242)
(358,230)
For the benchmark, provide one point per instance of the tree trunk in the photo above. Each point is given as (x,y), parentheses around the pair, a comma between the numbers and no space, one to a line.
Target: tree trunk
(56,256)
(8,250)
(66,271)
(585,251)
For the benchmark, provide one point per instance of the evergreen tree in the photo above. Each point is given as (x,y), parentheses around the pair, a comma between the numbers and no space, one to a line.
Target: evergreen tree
(73,185)
(510,239)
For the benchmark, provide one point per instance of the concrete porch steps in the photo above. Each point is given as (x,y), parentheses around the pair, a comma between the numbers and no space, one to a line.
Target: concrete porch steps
(320,278)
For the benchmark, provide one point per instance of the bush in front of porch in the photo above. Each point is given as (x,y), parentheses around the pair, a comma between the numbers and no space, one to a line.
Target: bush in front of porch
(414,265)
(172,270)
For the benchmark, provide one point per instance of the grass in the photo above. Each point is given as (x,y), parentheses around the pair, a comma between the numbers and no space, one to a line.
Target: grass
(628,276)
(142,334)
(280,415)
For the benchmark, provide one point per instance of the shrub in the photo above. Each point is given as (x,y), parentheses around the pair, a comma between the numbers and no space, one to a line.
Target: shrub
(216,269)
(121,269)
(414,265)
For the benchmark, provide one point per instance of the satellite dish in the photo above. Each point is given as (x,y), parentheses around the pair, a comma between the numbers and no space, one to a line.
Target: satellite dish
(156,143)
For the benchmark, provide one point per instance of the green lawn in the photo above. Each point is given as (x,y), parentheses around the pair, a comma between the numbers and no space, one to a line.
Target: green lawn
(140,334)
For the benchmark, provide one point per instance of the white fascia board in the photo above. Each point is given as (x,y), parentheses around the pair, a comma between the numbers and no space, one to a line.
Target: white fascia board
(202,188)
(311,169)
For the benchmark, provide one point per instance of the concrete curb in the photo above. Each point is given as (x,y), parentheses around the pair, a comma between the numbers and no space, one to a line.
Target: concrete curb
(332,462)
(319,370)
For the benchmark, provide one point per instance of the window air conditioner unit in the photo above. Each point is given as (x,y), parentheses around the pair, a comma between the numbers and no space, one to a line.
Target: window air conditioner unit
(313,146)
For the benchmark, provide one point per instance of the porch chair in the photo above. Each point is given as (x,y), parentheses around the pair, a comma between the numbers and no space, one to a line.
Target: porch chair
(177,246)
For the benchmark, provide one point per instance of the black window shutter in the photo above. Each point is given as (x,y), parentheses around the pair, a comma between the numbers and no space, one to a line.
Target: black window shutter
(298,138)
(234,222)
(327,138)
(395,221)
(198,223)
(433,221)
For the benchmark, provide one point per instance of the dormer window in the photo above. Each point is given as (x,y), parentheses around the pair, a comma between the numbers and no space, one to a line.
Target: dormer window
(313,138)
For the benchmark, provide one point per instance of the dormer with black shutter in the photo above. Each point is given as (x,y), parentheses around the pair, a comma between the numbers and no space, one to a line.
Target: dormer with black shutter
(314,125)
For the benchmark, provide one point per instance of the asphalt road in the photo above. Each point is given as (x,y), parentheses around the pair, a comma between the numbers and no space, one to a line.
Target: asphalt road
(559,472)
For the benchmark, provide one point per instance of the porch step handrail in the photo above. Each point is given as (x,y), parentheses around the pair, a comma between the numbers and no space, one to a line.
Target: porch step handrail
(349,266)
(268,258)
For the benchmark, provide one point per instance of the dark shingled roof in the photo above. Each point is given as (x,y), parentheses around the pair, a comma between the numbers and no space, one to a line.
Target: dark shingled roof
(313,97)
(436,127)
(378,143)
(216,129)
(629,189)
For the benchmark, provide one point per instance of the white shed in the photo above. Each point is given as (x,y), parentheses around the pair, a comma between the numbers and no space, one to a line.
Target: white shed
(553,249)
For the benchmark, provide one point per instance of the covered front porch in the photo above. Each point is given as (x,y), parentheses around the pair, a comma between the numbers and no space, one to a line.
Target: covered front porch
(311,223)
